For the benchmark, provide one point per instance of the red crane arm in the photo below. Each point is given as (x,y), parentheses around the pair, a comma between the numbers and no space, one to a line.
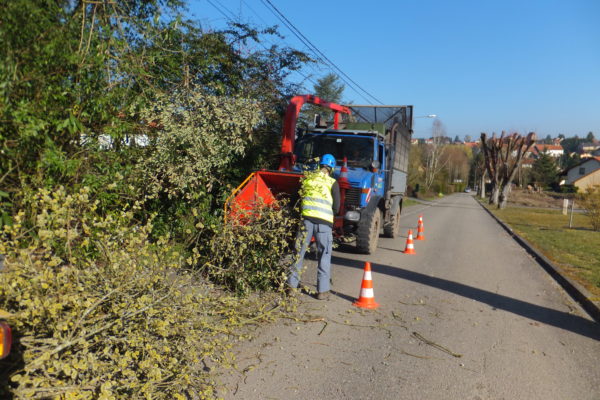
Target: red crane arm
(291,118)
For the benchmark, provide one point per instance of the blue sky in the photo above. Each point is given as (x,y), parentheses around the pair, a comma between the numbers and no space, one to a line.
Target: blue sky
(481,66)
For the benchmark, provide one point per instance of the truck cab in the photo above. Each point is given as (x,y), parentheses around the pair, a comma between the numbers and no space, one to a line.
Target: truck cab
(365,155)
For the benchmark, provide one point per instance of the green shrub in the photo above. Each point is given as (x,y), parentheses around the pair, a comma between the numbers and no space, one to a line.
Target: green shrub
(199,135)
(590,202)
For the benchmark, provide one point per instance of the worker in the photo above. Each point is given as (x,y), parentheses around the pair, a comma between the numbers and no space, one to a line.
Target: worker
(320,203)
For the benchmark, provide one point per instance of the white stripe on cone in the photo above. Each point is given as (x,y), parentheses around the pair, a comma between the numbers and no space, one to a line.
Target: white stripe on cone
(367,292)
(367,276)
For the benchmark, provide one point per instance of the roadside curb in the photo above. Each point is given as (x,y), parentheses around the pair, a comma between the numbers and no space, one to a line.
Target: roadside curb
(574,289)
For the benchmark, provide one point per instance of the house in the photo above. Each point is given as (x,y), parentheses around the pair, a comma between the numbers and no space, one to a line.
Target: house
(527,163)
(553,150)
(584,174)
(588,148)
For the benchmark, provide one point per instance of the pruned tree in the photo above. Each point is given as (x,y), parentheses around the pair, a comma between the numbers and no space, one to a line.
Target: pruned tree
(503,156)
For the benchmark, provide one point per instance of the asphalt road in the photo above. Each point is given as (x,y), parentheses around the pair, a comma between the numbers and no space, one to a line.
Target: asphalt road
(470,316)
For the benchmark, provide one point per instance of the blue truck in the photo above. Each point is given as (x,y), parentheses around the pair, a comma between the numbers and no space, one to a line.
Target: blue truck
(371,145)
(375,142)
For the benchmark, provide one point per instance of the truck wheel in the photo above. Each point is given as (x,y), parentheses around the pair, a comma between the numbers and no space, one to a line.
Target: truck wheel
(368,232)
(392,228)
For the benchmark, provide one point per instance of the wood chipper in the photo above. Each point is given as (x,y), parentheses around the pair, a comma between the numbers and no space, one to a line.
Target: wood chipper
(371,146)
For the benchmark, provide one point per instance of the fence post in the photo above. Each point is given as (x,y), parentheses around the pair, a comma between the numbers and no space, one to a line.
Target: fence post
(571,219)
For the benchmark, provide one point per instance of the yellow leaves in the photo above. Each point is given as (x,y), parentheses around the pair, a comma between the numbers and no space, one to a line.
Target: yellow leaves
(103,305)
(54,262)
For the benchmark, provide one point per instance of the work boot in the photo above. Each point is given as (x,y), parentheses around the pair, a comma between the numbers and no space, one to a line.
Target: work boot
(323,295)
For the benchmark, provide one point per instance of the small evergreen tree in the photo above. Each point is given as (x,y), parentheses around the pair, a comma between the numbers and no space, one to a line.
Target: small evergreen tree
(328,88)
(590,137)
(544,170)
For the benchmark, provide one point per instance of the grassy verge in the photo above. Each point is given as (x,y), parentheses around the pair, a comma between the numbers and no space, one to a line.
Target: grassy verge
(409,202)
(576,251)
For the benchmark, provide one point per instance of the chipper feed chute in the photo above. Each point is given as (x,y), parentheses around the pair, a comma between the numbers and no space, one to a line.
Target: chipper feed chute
(263,188)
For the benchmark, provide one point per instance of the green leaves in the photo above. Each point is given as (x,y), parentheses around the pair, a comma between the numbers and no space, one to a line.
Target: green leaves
(199,135)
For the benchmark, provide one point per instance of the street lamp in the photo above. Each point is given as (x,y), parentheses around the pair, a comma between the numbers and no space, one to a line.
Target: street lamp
(423,116)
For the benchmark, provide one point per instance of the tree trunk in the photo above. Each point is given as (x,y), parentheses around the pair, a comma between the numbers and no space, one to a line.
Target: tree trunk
(495,195)
(482,186)
(504,195)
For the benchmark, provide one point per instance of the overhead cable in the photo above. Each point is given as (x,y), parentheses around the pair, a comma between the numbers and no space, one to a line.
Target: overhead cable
(320,55)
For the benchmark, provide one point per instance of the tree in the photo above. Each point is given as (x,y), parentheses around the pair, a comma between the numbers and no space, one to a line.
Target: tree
(544,170)
(328,88)
(415,165)
(571,144)
(468,139)
(96,64)
(457,161)
(503,157)
(567,160)
(590,137)
(433,152)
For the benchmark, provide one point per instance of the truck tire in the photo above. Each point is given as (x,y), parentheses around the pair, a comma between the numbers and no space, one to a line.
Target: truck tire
(392,228)
(368,232)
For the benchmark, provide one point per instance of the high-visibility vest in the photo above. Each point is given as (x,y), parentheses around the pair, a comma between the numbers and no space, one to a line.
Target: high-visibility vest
(317,200)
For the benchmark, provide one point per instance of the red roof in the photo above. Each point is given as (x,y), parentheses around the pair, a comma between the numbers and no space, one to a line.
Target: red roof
(543,147)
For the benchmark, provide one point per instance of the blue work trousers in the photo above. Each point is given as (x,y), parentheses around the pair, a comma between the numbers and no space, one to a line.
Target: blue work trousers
(324,237)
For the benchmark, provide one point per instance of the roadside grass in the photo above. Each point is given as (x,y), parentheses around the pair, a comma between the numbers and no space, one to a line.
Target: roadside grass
(576,251)
(409,202)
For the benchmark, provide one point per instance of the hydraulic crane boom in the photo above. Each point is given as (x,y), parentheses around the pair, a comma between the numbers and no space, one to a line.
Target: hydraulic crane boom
(291,118)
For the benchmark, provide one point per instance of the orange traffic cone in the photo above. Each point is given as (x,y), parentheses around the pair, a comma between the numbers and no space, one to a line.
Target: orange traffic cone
(343,179)
(410,247)
(366,298)
(420,229)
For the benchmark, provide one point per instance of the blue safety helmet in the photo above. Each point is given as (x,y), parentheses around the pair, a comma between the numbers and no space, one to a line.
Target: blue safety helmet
(328,160)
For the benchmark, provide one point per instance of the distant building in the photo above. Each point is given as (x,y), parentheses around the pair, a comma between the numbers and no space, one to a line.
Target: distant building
(587,149)
(527,162)
(584,174)
(553,150)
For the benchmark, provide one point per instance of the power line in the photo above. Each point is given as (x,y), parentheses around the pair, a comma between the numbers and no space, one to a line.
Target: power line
(314,48)
(310,65)
(230,19)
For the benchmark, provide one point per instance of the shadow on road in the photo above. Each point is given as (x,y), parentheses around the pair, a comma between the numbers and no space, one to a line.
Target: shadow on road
(444,205)
(541,314)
